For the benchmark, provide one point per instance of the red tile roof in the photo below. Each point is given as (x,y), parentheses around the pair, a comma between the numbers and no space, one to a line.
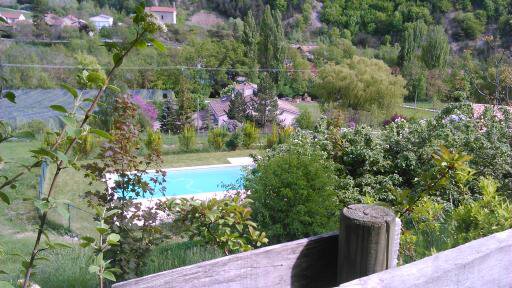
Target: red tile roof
(160,9)
(11,15)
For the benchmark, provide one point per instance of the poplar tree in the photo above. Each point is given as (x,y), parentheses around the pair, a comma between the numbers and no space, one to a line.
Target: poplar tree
(272,43)
(412,39)
(250,37)
(436,49)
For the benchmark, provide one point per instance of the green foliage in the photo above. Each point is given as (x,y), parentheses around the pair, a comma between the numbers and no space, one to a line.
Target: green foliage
(360,84)
(85,146)
(167,256)
(293,188)
(285,134)
(265,107)
(479,218)
(217,138)
(105,241)
(411,41)
(234,141)
(273,137)
(153,141)
(187,138)
(436,49)
(250,135)
(238,109)
(305,120)
(224,223)
(469,26)
(36,127)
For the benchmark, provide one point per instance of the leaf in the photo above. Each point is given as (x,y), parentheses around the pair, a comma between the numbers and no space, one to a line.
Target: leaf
(94,269)
(69,121)
(102,230)
(101,133)
(61,156)
(25,135)
(114,88)
(4,284)
(59,108)
(5,198)
(158,45)
(115,270)
(61,245)
(10,96)
(96,78)
(44,152)
(113,239)
(112,212)
(70,89)
(108,275)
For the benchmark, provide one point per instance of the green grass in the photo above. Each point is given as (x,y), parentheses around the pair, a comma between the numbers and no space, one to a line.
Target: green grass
(313,107)
(173,255)
(416,113)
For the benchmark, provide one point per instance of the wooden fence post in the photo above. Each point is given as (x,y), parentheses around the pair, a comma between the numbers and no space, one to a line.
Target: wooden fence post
(367,241)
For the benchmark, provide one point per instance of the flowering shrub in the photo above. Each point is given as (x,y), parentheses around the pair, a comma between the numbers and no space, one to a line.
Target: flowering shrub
(394,118)
(148,111)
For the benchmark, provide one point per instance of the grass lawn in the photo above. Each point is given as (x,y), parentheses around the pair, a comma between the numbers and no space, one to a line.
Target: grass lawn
(313,107)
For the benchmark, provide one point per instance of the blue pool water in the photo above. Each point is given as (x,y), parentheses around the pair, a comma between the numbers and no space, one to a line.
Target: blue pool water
(199,180)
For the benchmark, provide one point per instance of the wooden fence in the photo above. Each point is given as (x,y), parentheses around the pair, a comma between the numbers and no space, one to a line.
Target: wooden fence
(318,262)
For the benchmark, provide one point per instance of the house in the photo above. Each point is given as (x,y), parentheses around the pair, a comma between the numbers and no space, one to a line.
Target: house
(165,15)
(12,17)
(102,21)
(218,108)
(61,22)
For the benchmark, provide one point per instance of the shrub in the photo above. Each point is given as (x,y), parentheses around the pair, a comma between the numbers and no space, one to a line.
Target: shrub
(85,145)
(153,141)
(285,134)
(217,138)
(187,138)
(249,135)
(273,137)
(224,223)
(234,141)
(305,120)
(470,26)
(293,189)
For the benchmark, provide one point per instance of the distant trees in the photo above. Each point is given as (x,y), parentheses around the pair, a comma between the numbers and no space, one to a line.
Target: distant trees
(272,45)
(250,38)
(412,40)
(436,49)
(360,84)
(469,26)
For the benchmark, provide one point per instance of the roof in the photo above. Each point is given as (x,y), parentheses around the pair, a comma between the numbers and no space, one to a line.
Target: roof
(11,15)
(161,9)
(287,106)
(101,17)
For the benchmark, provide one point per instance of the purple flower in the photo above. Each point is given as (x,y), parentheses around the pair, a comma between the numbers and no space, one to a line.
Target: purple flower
(147,109)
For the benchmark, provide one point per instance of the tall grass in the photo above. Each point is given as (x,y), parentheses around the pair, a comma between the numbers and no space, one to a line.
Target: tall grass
(187,138)
(174,255)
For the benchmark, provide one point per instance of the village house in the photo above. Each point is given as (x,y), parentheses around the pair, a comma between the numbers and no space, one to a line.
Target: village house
(165,15)
(102,21)
(12,17)
(53,20)
(218,108)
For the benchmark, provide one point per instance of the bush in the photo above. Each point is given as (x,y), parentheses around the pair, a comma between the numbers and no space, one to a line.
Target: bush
(153,141)
(36,127)
(234,141)
(273,137)
(285,134)
(217,138)
(305,120)
(187,138)
(249,135)
(293,189)
(470,26)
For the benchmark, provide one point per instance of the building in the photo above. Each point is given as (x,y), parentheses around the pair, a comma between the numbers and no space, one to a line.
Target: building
(12,17)
(61,22)
(165,15)
(218,108)
(102,21)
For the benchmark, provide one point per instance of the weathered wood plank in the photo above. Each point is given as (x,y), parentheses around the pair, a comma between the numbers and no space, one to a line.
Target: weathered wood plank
(309,262)
(485,262)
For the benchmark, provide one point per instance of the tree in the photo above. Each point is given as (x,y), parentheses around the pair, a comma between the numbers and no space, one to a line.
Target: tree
(436,48)
(249,39)
(39,8)
(305,120)
(238,109)
(412,39)
(185,104)
(293,191)
(265,103)
(272,42)
(360,84)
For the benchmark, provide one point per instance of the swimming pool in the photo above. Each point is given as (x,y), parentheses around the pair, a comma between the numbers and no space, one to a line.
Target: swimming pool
(198,181)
